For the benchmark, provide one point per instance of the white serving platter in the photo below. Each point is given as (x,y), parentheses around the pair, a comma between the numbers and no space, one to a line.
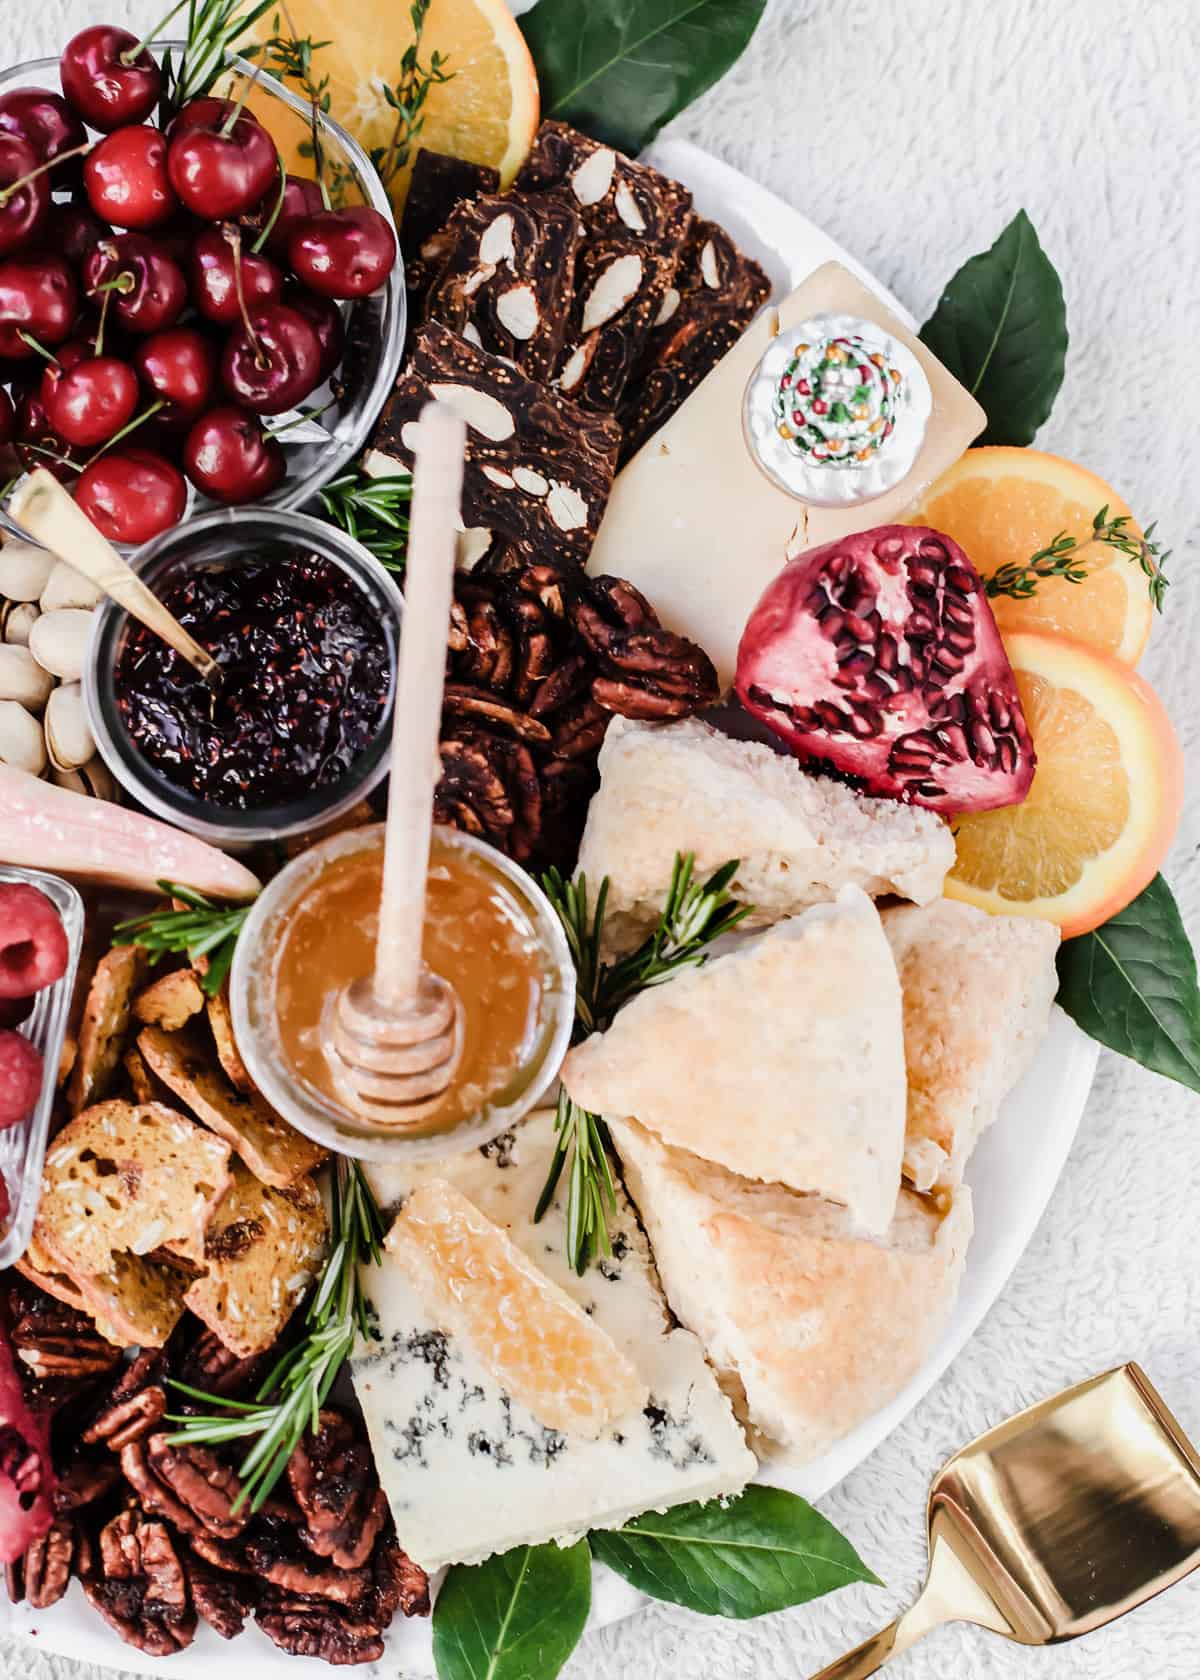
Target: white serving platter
(1012,1173)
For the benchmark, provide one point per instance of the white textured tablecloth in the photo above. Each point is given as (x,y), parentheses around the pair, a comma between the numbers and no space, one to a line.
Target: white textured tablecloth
(912,130)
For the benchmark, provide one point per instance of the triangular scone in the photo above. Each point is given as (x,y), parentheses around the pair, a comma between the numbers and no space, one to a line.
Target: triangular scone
(817,1325)
(783,1061)
(468,1469)
(685,787)
(977,996)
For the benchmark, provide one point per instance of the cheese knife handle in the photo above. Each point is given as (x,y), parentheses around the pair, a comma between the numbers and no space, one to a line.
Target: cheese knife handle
(869,1657)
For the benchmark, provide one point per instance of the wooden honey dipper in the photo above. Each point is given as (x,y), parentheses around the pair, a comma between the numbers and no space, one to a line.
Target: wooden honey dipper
(397,1033)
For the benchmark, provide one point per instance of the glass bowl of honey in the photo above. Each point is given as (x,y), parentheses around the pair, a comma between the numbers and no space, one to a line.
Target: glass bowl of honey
(490,932)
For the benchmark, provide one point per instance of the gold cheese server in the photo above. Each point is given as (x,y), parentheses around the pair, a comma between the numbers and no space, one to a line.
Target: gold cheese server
(1056,1523)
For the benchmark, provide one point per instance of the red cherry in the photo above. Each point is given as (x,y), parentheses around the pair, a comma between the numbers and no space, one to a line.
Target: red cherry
(178,367)
(343,253)
(215,258)
(230,458)
(217,172)
(46,121)
(74,232)
(107,80)
(301,198)
(23,207)
(38,444)
(38,296)
(126,179)
(131,495)
(203,112)
(8,419)
(273,362)
(88,399)
(325,319)
(148,289)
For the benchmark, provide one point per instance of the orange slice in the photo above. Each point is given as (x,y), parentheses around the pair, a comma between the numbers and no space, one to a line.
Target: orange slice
(530,1336)
(1105,800)
(487,112)
(1003,505)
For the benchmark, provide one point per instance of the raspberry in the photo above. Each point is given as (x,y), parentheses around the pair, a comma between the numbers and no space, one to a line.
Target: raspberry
(33,942)
(20,1077)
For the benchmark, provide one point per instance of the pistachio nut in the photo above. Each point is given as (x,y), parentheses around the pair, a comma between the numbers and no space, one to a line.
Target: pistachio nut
(65,587)
(24,569)
(16,621)
(93,778)
(22,678)
(69,738)
(22,743)
(59,641)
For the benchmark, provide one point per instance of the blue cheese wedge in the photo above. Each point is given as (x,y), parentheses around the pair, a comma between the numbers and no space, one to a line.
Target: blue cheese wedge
(468,1469)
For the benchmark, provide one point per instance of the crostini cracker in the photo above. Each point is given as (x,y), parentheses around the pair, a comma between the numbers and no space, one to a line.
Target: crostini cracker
(105,1025)
(171,1001)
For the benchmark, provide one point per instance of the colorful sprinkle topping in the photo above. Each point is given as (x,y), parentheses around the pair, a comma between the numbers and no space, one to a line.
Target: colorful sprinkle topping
(836,402)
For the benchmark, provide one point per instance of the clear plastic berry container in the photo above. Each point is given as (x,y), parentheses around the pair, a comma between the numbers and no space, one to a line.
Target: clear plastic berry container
(23,1147)
(319,448)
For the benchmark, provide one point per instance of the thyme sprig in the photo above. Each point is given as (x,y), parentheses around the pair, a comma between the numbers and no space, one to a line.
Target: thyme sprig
(693,916)
(203,929)
(407,98)
(288,1403)
(215,29)
(1062,559)
(372,510)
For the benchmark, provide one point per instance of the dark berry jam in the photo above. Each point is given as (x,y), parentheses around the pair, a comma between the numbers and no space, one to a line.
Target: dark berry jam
(306,671)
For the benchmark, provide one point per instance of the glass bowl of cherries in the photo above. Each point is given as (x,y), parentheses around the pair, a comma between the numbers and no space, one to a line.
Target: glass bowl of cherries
(183,323)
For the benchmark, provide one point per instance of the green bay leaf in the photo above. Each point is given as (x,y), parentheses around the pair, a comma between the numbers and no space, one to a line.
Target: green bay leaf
(516,1617)
(761,1552)
(620,69)
(1131,984)
(1001,328)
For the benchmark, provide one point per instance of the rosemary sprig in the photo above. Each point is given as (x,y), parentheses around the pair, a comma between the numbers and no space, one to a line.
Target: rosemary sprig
(374,510)
(214,30)
(289,1401)
(693,915)
(1061,559)
(204,929)
(407,98)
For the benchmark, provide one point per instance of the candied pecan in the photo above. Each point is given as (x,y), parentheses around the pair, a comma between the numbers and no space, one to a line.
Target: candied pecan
(332,1476)
(642,665)
(208,1364)
(306,1627)
(398,1582)
(569,679)
(580,729)
(46,1566)
(128,1420)
(232,1559)
(198,1478)
(223,1600)
(155,1496)
(139,1587)
(462,700)
(471,794)
(84,1481)
(53,1340)
(298,1574)
(481,643)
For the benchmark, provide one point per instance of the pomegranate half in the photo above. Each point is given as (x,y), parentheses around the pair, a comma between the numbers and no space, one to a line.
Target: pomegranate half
(878,654)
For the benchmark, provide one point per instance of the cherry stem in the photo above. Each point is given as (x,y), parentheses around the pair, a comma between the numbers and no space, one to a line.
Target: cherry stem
(125,282)
(51,455)
(274,216)
(130,426)
(299,419)
(36,344)
(130,57)
(42,168)
(99,339)
(233,238)
(248,87)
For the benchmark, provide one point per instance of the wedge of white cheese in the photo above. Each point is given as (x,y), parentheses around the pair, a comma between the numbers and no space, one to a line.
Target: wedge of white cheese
(467,1470)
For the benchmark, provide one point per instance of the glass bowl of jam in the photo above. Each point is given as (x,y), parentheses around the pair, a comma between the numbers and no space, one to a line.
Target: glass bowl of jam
(305,626)
(489,930)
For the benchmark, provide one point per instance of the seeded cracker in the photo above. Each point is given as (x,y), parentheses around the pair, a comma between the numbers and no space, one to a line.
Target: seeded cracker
(509,279)
(636,221)
(716,293)
(539,468)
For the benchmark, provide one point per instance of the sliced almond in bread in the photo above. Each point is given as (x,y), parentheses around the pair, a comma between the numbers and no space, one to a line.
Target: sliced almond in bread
(538,1343)
(230,1057)
(105,1025)
(125,1178)
(170,1002)
(263,1249)
(273,1150)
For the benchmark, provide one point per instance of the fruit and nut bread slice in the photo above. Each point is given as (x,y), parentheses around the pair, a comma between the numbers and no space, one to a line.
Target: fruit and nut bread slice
(262,1250)
(977,996)
(783,1060)
(686,787)
(635,223)
(508,281)
(105,1024)
(539,468)
(439,184)
(815,1323)
(274,1151)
